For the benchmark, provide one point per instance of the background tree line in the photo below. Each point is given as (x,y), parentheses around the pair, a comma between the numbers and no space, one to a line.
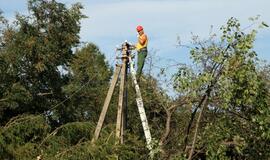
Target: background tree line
(52,89)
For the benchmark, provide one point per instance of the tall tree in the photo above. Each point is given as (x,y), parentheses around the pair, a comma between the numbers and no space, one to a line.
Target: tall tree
(89,78)
(226,86)
(32,51)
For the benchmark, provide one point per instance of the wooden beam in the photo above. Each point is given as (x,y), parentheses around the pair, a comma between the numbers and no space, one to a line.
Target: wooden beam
(120,121)
(107,102)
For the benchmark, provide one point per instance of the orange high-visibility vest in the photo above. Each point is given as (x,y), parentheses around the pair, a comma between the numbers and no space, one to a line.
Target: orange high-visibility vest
(139,46)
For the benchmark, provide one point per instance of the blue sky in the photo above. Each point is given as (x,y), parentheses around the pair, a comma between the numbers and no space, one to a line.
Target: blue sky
(111,22)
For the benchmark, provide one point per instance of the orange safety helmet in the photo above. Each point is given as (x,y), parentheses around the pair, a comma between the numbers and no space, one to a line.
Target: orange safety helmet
(139,28)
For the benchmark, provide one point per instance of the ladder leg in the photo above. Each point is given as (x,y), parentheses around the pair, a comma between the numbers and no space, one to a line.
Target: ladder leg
(107,102)
(141,109)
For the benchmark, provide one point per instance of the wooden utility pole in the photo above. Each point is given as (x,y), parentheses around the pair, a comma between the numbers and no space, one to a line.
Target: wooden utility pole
(122,101)
(120,112)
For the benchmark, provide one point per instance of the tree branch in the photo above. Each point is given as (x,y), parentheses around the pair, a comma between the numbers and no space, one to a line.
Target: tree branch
(197,128)
(168,125)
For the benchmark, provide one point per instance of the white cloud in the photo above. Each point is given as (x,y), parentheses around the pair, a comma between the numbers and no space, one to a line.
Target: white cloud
(111,22)
(172,16)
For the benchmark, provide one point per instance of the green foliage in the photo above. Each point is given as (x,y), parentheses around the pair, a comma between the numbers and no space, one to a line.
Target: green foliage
(28,136)
(21,135)
(32,50)
(66,137)
(89,79)
(237,96)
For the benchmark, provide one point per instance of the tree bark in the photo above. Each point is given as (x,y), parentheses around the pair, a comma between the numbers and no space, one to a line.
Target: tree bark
(197,128)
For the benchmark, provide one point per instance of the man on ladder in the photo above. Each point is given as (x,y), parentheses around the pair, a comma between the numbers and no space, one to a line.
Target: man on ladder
(141,48)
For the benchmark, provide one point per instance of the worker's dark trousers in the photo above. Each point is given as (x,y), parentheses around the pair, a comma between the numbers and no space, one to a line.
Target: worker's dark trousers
(142,53)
